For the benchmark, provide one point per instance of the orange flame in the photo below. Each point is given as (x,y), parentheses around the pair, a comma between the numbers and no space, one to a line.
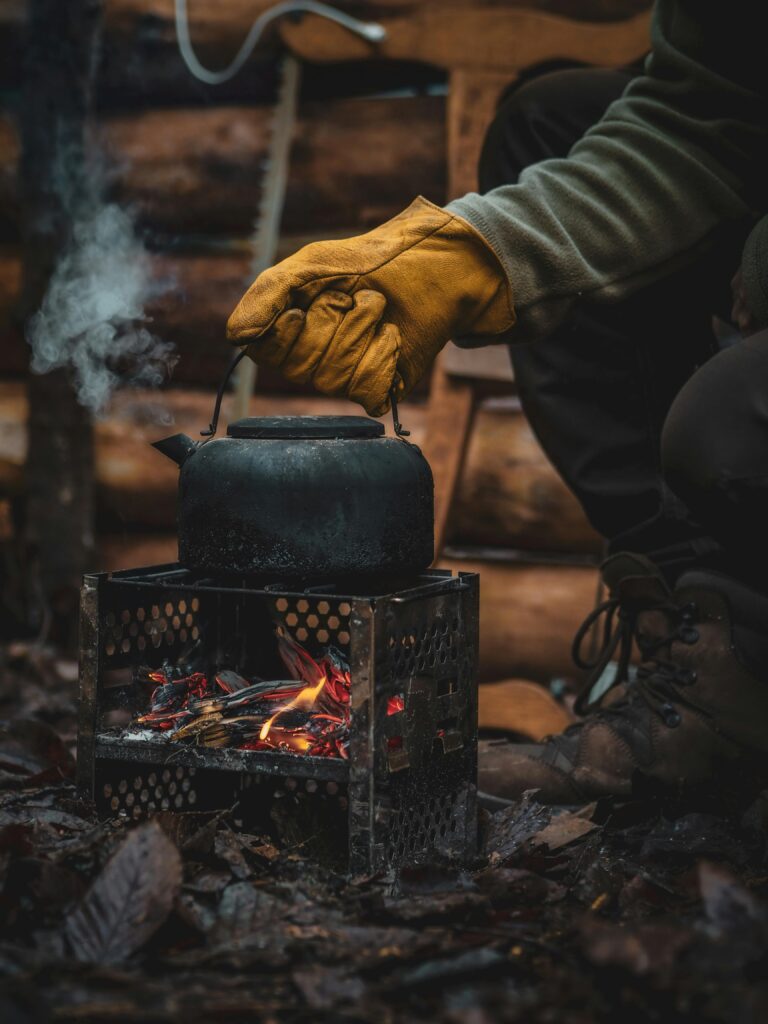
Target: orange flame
(322,689)
(304,699)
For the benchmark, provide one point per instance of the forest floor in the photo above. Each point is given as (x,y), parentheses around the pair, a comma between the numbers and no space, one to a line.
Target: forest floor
(605,913)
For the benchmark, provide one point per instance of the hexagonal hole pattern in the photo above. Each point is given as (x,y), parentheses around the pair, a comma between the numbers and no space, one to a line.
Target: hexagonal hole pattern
(317,621)
(135,629)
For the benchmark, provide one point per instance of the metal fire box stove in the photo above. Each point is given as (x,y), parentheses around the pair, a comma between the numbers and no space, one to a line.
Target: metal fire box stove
(407,791)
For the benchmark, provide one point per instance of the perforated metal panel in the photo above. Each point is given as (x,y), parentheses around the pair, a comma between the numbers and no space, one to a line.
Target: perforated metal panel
(135,790)
(424,646)
(158,625)
(425,760)
(433,824)
(314,620)
(407,792)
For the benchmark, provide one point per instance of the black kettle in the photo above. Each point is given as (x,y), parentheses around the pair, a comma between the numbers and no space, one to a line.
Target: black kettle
(305,497)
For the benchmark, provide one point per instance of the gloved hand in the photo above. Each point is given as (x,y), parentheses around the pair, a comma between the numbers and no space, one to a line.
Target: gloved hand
(352,315)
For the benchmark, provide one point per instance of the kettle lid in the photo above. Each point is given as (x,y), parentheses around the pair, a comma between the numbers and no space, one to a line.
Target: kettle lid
(306,427)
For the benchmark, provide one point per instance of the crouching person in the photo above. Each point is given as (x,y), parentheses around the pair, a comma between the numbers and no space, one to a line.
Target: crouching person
(614,210)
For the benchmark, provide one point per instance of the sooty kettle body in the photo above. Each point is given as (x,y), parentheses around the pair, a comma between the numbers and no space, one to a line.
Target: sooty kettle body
(318,497)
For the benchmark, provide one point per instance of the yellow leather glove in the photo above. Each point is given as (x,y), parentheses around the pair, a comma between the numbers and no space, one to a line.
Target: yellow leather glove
(353,315)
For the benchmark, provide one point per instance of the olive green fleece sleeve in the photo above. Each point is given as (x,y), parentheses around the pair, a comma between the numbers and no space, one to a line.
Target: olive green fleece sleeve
(682,153)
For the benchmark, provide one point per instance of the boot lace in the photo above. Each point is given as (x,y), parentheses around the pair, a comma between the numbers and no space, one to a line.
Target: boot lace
(658,679)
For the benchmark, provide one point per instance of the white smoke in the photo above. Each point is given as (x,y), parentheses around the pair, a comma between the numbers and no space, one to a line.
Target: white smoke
(92,317)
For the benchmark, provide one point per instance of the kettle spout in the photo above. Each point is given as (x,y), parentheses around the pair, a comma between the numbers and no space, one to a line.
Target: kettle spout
(177,447)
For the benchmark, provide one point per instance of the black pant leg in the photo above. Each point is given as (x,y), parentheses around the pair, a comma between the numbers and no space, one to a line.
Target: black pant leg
(543,118)
(715,454)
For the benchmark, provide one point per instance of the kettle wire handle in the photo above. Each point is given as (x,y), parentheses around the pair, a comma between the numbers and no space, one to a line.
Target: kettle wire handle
(214,424)
(398,427)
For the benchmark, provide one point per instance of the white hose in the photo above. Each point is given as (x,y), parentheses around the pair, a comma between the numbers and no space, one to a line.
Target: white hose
(369,30)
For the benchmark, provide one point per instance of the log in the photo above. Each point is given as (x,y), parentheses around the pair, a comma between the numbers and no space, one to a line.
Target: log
(451,417)
(201,290)
(522,707)
(509,495)
(529,615)
(9,159)
(199,171)
(14,354)
(353,162)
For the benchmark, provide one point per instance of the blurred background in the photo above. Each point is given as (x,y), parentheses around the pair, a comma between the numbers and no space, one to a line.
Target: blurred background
(133,199)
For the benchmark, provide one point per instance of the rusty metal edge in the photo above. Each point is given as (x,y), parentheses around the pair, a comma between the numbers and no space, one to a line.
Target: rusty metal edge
(362,625)
(89,672)
(300,766)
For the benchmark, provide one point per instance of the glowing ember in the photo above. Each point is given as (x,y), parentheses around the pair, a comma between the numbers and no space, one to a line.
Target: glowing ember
(395,704)
(222,709)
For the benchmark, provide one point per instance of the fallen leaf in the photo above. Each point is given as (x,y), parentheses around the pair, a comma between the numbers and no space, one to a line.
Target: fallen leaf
(511,828)
(244,910)
(227,847)
(208,880)
(129,900)
(196,912)
(29,747)
(564,829)
(516,886)
(267,851)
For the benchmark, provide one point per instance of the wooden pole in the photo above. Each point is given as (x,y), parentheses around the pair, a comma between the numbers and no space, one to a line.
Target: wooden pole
(60,57)
(267,227)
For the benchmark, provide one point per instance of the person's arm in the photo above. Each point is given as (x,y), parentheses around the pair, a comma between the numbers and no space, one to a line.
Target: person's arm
(681,154)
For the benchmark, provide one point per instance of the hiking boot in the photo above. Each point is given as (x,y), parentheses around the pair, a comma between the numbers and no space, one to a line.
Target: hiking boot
(696,710)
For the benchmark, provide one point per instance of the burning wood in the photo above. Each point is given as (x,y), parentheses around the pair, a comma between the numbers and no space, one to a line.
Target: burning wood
(306,714)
